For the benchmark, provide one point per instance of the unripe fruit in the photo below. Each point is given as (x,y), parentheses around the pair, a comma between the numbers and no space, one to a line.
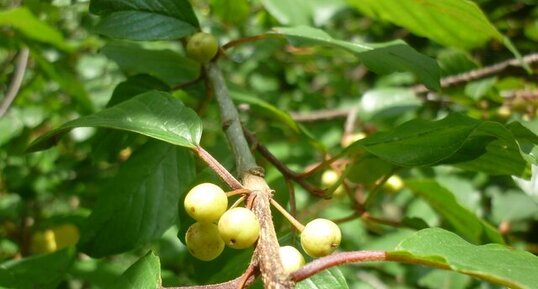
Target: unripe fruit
(239,228)
(66,235)
(202,47)
(329,178)
(204,241)
(394,183)
(320,237)
(43,242)
(206,203)
(291,259)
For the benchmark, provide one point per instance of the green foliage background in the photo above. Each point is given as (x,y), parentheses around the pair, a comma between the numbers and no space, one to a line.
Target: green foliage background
(466,153)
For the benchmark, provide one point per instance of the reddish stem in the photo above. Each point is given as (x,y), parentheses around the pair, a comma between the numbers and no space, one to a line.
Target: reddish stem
(337,259)
(218,168)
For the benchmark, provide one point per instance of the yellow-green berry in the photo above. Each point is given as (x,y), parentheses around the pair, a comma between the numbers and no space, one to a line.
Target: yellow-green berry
(204,241)
(320,237)
(291,259)
(202,47)
(206,203)
(239,228)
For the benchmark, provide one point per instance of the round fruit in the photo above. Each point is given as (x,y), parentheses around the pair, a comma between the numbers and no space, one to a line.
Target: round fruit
(206,203)
(66,235)
(329,178)
(291,259)
(320,237)
(203,241)
(43,242)
(394,183)
(239,228)
(202,47)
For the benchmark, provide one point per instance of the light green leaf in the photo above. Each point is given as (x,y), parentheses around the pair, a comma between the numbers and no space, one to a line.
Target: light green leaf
(231,11)
(387,102)
(303,12)
(145,20)
(144,274)
(28,24)
(381,58)
(166,65)
(155,114)
(327,279)
(464,222)
(267,108)
(39,271)
(493,262)
(140,203)
(457,23)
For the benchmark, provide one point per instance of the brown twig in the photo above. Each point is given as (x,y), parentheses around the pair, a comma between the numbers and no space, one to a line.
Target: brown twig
(223,173)
(480,73)
(337,259)
(326,114)
(246,279)
(330,114)
(287,172)
(243,40)
(16,81)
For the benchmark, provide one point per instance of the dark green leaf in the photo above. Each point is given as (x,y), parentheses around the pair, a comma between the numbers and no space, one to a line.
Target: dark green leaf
(327,279)
(458,23)
(144,274)
(28,24)
(141,202)
(464,222)
(493,262)
(145,20)
(166,65)
(382,58)
(154,114)
(491,148)
(420,142)
(457,140)
(40,271)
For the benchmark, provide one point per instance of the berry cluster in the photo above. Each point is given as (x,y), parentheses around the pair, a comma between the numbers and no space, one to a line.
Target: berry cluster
(216,226)
(239,228)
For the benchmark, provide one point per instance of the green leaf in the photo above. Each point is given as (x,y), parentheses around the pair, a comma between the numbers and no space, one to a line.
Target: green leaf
(144,274)
(420,142)
(40,271)
(457,23)
(267,109)
(303,12)
(145,20)
(166,65)
(28,24)
(493,262)
(464,222)
(381,58)
(457,139)
(327,279)
(155,114)
(439,279)
(492,149)
(387,102)
(231,11)
(140,203)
